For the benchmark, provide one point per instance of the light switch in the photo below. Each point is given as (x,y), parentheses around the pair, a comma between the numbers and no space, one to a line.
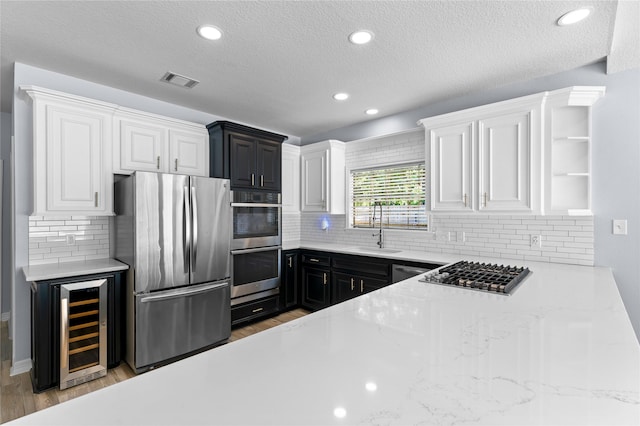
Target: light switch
(619,227)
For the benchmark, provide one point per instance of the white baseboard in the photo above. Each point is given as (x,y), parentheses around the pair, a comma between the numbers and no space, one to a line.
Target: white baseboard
(20,367)
(5,316)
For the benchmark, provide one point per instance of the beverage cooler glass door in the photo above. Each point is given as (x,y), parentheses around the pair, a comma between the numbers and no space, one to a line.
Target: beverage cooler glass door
(83,332)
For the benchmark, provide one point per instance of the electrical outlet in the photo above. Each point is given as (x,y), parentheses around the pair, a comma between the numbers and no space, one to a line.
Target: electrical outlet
(536,241)
(71,239)
(619,227)
(443,235)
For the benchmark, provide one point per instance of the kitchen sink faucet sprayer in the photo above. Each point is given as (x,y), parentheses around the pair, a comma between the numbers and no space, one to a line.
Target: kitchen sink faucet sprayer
(379,234)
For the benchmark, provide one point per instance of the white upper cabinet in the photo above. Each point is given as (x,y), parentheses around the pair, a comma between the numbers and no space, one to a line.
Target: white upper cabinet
(141,146)
(189,152)
(482,159)
(525,155)
(290,178)
(72,153)
(451,167)
(323,178)
(154,143)
(504,169)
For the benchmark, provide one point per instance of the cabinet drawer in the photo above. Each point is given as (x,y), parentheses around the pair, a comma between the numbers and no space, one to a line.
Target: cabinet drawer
(314,259)
(366,265)
(252,310)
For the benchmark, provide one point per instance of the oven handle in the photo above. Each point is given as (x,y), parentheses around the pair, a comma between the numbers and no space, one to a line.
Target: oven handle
(255,250)
(255,205)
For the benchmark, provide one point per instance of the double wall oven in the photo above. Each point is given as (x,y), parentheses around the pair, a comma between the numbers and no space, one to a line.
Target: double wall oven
(255,245)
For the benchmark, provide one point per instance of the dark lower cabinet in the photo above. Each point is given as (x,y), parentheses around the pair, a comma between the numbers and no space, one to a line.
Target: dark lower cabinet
(254,310)
(315,280)
(346,286)
(289,293)
(316,288)
(45,326)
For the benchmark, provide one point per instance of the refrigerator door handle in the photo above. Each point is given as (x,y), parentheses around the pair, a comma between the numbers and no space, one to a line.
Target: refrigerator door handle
(183,293)
(186,228)
(194,218)
(255,250)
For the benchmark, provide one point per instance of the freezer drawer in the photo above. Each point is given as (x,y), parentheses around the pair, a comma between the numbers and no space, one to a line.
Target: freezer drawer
(176,322)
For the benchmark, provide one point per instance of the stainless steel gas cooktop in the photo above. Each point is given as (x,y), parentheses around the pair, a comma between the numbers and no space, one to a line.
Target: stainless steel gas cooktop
(487,277)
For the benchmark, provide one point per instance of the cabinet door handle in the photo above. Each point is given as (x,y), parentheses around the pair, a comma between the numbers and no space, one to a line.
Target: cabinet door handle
(465,200)
(158,162)
(352,284)
(261,180)
(361,286)
(314,260)
(324,278)
(290,262)
(257,310)
(253,179)
(485,199)
(95,199)
(176,166)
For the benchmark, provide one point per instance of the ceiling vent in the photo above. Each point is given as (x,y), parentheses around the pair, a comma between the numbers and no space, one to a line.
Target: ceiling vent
(179,80)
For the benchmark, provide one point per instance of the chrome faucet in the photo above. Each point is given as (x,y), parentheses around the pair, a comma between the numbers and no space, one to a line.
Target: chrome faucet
(379,234)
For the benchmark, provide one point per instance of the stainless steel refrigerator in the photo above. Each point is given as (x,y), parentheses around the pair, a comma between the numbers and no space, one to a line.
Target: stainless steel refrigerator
(174,233)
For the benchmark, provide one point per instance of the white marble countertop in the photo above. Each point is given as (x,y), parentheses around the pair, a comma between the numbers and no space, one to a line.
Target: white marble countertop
(71,269)
(560,350)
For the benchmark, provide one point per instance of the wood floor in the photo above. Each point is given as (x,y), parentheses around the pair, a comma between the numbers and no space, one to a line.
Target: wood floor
(16,395)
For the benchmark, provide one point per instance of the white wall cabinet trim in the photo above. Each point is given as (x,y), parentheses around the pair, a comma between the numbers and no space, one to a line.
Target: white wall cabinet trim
(72,154)
(323,180)
(290,178)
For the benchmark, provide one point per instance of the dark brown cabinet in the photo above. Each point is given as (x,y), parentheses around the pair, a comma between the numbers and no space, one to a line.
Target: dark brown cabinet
(356,275)
(316,281)
(348,285)
(289,294)
(249,157)
(45,326)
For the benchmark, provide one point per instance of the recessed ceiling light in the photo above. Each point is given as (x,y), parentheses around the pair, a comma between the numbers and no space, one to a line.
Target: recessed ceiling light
(371,111)
(361,37)
(209,32)
(341,96)
(574,16)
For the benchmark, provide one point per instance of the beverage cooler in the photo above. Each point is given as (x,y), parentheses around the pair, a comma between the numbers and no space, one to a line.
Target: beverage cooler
(77,329)
(83,332)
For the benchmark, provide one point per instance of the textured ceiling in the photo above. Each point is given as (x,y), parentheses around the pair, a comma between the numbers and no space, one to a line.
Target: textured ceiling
(279,63)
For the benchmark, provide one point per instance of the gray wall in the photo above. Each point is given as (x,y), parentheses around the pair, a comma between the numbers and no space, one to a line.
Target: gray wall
(5,156)
(615,165)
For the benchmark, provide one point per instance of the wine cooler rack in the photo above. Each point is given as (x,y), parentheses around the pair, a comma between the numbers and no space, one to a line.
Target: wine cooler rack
(83,332)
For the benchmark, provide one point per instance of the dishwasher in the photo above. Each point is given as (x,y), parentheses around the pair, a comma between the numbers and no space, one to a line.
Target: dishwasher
(402,272)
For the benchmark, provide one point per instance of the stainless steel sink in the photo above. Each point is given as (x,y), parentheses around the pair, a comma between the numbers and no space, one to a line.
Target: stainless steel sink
(378,250)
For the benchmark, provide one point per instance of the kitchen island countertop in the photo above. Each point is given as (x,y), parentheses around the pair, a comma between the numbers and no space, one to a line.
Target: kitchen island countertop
(560,350)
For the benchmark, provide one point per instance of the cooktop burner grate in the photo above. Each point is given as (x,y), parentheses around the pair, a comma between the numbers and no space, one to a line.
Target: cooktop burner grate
(479,276)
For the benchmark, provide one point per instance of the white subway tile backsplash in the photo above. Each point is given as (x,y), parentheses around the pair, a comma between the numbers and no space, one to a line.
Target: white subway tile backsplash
(483,236)
(48,239)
